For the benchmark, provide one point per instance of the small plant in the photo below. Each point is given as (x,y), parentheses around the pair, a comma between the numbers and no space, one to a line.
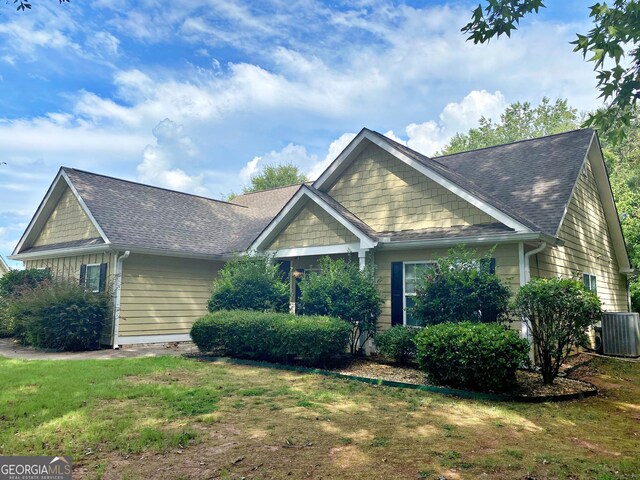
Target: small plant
(60,316)
(398,343)
(342,290)
(558,313)
(251,282)
(461,287)
(471,355)
(272,336)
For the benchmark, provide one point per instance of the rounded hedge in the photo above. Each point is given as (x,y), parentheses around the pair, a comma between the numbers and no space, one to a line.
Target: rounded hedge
(472,356)
(279,337)
(398,343)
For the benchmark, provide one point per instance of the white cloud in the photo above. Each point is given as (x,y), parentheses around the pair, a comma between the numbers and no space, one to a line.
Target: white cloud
(158,164)
(335,148)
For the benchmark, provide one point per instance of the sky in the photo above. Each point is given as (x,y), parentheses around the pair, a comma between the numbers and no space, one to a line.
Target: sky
(198,95)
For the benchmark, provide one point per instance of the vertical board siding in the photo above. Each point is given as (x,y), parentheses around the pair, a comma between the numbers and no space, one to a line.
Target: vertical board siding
(68,268)
(67,222)
(507,268)
(164,295)
(389,195)
(587,248)
(311,227)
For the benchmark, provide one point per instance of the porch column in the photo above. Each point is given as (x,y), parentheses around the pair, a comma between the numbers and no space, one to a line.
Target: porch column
(362,258)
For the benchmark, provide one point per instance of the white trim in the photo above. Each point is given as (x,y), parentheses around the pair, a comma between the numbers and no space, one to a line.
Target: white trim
(334,168)
(3,266)
(61,252)
(292,208)
(521,265)
(362,259)
(86,267)
(137,339)
(321,250)
(488,239)
(595,277)
(575,185)
(117,274)
(84,207)
(608,205)
(404,285)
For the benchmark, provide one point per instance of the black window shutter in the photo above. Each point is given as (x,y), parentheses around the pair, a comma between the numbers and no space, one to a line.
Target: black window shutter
(397,314)
(83,274)
(285,268)
(103,277)
(488,265)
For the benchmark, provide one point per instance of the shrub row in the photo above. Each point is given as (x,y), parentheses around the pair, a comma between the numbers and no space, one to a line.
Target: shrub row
(59,316)
(397,343)
(279,337)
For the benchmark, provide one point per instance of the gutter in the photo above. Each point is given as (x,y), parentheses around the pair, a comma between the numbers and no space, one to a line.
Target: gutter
(488,239)
(116,297)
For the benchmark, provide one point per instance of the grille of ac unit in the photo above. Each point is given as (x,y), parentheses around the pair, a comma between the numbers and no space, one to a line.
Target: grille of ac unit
(621,334)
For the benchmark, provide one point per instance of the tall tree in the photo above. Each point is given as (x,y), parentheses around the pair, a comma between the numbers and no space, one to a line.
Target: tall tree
(273,176)
(519,121)
(613,45)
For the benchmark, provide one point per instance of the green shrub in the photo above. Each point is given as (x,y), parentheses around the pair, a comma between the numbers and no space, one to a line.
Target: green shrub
(14,281)
(251,282)
(558,313)
(460,288)
(471,355)
(342,290)
(60,316)
(397,343)
(278,337)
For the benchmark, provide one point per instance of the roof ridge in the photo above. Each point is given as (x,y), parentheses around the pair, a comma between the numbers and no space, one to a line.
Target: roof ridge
(273,188)
(514,142)
(152,186)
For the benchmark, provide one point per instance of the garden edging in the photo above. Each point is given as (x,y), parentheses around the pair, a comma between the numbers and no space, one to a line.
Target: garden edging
(593,391)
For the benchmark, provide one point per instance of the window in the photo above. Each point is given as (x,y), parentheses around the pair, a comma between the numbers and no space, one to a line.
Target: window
(589,281)
(93,276)
(413,271)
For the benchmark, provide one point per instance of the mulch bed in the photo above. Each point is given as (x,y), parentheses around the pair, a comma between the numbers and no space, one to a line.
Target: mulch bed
(530,383)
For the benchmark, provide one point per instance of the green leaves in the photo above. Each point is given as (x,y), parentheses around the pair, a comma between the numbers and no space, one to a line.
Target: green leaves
(273,176)
(612,46)
(397,343)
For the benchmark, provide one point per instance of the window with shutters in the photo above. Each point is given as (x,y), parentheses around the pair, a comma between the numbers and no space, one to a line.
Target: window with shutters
(94,276)
(412,272)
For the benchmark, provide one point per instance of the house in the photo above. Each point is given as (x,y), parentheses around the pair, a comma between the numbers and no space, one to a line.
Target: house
(545,205)
(4,268)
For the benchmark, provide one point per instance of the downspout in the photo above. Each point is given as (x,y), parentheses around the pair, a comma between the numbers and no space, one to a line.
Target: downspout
(525,276)
(116,297)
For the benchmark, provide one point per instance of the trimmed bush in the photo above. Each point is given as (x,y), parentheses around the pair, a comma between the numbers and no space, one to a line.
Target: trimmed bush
(460,288)
(470,355)
(397,343)
(342,290)
(558,313)
(60,316)
(251,282)
(278,337)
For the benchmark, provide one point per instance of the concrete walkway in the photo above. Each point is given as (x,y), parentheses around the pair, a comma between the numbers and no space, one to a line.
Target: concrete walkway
(10,349)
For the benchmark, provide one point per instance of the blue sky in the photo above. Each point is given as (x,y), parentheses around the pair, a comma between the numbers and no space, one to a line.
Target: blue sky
(198,95)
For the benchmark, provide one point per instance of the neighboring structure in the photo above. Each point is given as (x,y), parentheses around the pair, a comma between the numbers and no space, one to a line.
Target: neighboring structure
(4,268)
(545,204)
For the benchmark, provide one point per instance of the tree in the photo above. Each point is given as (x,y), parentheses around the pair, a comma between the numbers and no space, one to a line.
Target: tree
(274,176)
(461,287)
(518,122)
(558,312)
(342,290)
(623,162)
(22,5)
(615,26)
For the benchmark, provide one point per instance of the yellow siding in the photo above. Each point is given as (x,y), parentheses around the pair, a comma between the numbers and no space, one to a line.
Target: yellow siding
(389,195)
(587,246)
(164,295)
(313,226)
(68,268)
(507,267)
(67,222)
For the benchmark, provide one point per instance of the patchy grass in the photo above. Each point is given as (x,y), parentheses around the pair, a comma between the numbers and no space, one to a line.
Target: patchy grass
(178,418)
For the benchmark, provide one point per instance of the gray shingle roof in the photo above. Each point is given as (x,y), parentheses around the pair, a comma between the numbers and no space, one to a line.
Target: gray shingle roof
(70,244)
(530,180)
(485,229)
(139,215)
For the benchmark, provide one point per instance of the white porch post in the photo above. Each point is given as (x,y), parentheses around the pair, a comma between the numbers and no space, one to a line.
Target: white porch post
(362,258)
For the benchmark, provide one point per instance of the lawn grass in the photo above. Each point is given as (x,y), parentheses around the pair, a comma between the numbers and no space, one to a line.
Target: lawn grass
(177,418)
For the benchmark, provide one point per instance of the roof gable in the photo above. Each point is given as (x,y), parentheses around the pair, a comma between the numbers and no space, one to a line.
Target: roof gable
(448,179)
